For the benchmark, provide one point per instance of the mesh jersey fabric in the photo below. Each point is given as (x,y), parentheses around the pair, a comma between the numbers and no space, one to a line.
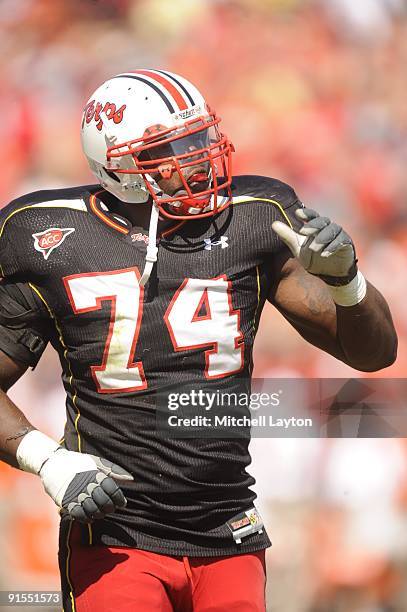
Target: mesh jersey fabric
(184,490)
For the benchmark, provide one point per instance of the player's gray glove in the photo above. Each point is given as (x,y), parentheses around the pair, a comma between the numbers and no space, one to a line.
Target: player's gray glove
(84,486)
(322,247)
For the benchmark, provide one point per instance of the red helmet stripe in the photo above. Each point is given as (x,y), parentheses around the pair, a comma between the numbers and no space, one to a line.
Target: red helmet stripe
(170,76)
(171,89)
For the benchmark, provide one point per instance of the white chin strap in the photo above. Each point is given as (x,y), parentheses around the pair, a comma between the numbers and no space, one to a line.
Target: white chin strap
(152,250)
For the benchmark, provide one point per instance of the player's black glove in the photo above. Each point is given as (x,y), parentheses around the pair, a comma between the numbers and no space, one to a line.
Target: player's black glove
(321,246)
(84,486)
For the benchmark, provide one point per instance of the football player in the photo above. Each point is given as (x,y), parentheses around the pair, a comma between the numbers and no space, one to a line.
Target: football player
(155,277)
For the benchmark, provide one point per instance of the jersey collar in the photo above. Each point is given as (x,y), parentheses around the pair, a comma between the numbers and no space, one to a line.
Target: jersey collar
(120,223)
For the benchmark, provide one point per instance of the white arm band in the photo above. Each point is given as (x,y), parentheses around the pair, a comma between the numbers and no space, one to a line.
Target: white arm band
(34,450)
(350,294)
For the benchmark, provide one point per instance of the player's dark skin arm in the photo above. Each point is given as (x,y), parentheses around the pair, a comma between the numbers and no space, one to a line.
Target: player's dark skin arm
(362,336)
(13,423)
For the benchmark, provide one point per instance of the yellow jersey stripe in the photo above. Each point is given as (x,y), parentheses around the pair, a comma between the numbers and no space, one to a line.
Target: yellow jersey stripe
(68,558)
(74,204)
(61,339)
(244,199)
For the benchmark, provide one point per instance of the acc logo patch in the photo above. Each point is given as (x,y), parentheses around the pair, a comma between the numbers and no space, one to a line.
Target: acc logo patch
(45,242)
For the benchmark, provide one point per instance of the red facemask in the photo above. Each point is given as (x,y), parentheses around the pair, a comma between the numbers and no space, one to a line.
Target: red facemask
(197,151)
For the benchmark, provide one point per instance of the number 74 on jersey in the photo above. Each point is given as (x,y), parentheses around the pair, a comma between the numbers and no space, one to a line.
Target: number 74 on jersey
(199,316)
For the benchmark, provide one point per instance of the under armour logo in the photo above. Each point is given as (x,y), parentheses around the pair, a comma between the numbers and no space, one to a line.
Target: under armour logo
(209,243)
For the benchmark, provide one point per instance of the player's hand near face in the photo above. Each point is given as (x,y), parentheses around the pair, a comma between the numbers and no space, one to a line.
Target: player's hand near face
(321,292)
(322,247)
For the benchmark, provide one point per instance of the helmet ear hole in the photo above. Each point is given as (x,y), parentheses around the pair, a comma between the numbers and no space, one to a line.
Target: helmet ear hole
(112,175)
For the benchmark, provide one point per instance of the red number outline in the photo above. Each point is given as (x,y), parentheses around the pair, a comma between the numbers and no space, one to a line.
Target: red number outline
(239,340)
(130,363)
(204,300)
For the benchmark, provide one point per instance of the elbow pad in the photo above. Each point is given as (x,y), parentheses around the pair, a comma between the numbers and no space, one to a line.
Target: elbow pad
(22,318)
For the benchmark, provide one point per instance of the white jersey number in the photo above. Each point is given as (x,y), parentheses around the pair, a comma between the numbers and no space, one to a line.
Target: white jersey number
(199,315)
(117,373)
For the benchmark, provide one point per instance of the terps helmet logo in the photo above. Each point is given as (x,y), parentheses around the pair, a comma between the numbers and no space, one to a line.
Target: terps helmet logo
(93,110)
(45,242)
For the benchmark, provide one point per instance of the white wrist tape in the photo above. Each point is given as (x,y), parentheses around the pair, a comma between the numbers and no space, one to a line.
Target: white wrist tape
(350,294)
(34,450)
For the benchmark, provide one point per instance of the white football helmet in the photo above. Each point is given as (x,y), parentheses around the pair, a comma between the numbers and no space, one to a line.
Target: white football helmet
(139,127)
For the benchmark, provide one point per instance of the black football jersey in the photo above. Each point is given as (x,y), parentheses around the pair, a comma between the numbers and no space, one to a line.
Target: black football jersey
(70,268)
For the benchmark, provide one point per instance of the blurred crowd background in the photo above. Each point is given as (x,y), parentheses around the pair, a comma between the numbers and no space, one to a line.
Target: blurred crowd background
(312,92)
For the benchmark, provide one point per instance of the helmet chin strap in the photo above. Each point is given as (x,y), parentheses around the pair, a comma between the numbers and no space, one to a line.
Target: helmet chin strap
(152,250)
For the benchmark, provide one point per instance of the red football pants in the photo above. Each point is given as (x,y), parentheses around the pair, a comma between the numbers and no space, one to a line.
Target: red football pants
(116,579)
